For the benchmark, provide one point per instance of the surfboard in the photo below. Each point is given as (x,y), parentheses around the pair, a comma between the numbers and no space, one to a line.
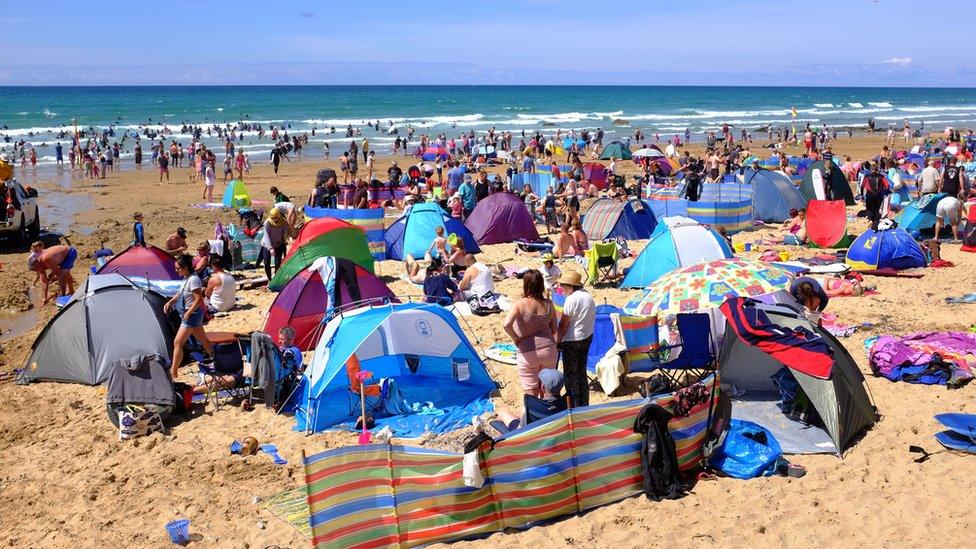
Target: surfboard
(501,352)
(954,441)
(818,184)
(964,424)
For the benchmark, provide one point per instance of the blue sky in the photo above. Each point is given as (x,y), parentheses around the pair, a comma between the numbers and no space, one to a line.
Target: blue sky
(785,42)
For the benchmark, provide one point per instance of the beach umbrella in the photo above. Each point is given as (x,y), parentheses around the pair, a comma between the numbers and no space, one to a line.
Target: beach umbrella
(648,152)
(705,286)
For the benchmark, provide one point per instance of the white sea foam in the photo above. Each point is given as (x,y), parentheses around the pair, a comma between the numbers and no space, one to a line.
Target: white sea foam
(856,105)
(49,113)
(823,105)
(884,104)
(937,108)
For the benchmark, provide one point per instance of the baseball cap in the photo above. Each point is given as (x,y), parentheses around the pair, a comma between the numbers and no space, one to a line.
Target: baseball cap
(552,380)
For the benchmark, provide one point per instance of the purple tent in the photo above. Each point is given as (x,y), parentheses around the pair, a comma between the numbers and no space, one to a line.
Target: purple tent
(501,217)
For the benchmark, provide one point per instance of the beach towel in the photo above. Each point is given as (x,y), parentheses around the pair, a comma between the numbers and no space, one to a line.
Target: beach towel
(829,322)
(911,357)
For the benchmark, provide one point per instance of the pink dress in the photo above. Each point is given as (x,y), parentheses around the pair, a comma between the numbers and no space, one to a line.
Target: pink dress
(537,349)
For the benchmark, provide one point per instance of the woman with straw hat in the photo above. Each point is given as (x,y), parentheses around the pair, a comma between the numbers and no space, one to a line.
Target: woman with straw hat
(574,335)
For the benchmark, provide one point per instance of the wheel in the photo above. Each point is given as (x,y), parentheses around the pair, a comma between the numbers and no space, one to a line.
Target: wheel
(35,227)
(22,236)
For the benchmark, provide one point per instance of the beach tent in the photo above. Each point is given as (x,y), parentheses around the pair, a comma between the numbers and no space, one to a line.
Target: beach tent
(769,338)
(815,181)
(306,299)
(596,173)
(367,219)
(145,261)
(919,215)
(616,149)
(826,224)
(236,195)
(421,352)
(610,218)
(773,195)
(108,318)
(323,237)
(501,217)
(890,248)
(413,232)
(676,242)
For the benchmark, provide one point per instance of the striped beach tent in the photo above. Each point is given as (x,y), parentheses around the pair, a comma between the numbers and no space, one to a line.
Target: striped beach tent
(370,220)
(609,218)
(385,495)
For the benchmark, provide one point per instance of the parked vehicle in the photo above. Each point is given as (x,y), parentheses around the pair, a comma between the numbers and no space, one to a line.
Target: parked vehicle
(19,215)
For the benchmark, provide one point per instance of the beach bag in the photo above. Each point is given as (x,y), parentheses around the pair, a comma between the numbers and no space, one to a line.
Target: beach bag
(748,451)
(136,421)
(484,305)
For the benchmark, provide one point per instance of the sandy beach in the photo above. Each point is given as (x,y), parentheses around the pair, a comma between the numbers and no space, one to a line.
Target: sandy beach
(65,479)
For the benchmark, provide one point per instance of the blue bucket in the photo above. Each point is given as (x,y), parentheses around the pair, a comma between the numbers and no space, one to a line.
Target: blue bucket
(179,531)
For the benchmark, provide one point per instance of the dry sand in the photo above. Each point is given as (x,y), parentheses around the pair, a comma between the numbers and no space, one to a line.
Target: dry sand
(65,479)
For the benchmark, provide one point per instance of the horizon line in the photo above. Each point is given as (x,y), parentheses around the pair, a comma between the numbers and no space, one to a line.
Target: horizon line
(770,86)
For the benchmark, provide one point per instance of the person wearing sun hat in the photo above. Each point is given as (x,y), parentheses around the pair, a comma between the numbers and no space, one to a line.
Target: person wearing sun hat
(574,334)
(550,271)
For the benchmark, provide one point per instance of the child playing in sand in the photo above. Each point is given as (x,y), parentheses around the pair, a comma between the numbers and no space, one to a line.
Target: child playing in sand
(438,248)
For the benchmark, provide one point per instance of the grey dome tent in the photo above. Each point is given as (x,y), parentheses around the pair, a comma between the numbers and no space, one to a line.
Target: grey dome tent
(617,150)
(773,195)
(841,399)
(107,318)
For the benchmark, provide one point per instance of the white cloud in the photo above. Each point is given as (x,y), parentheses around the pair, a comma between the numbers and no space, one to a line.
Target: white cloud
(903,62)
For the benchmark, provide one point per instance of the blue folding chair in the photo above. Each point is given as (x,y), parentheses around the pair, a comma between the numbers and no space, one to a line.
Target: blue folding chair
(697,355)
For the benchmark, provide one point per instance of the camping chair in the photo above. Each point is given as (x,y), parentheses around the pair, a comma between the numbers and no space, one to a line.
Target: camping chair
(697,356)
(228,360)
(268,373)
(602,262)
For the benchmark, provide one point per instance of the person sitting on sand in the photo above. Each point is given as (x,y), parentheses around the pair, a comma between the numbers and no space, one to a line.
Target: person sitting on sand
(796,229)
(580,242)
(201,261)
(176,242)
(811,295)
(550,272)
(477,280)
(439,287)
(551,382)
(59,260)
(188,302)
(565,243)
(460,259)
(221,288)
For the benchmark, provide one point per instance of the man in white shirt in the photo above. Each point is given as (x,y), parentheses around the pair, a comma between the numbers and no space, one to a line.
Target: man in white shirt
(929,179)
(574,334)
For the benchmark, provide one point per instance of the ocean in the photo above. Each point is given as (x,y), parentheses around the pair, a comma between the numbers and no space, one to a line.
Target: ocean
(39,114)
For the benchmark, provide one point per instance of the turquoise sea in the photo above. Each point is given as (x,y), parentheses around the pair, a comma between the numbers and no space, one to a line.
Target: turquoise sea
(38,114)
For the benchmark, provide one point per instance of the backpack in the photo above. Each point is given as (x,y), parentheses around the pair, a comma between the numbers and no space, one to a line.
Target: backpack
(659,458)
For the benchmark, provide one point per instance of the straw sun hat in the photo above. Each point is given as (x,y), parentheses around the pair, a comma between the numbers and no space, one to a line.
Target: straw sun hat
(571,278)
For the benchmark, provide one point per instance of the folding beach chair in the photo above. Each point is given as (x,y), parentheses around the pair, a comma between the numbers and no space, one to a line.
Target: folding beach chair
(536,409)
(228,360)
(269,375)
(696,355)
(602,260)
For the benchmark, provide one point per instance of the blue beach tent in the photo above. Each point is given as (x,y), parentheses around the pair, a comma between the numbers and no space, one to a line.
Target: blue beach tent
(919,215)
(413,232)
(431,377)
(890,248)
(773,195)
(610,218)
(676,242)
